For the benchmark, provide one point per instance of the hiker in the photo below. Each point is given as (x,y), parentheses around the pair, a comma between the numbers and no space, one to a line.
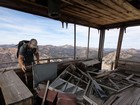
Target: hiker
(26,52)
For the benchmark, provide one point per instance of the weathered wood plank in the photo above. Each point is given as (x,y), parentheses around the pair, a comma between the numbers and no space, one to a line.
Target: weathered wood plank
(129,66)
(114,11)
(86,14)
(133,97)
(14,90)
(119,9)
(94,13)
(77,18)
(128,7)
(121,33)
(81,15)
(95,8)
(136,100)
(129,96)
(97,14)
(111,100)
(121,97)
(111,7)
(101,45)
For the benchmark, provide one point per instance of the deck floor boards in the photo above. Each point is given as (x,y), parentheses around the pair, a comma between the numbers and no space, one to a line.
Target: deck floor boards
(130,96)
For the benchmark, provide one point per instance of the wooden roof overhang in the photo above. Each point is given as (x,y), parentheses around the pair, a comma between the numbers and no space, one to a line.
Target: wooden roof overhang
(92,13)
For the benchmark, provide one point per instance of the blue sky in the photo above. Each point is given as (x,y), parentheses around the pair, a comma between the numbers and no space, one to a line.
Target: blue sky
(16,26)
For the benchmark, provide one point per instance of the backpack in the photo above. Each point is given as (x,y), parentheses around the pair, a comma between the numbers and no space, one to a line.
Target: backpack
(20,44)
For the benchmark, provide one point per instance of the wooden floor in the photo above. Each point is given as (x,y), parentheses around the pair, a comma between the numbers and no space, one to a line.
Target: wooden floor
(130,96)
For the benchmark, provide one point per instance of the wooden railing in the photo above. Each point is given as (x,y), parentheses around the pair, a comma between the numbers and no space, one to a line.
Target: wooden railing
(47,60)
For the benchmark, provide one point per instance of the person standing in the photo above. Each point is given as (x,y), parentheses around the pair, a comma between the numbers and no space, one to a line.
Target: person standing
(26,54)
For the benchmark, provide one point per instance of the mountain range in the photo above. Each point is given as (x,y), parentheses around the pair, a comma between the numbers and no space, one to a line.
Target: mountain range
(8,54)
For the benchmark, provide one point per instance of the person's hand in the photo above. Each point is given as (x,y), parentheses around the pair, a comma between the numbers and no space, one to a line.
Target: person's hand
(23,68)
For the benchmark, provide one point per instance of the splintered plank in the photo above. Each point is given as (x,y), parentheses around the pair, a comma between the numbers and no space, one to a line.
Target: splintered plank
(14,90)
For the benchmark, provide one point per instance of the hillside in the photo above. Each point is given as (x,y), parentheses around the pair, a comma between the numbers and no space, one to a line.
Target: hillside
(126,54)
(8,54)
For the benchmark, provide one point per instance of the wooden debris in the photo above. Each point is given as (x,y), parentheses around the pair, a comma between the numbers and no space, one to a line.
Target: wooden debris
(114,84)
(44,98)
(14,90)
(129,77)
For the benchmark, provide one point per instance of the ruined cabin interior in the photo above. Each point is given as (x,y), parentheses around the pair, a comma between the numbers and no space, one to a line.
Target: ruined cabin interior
(77,82)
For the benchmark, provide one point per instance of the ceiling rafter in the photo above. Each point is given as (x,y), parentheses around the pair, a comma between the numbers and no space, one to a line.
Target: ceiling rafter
(93,13)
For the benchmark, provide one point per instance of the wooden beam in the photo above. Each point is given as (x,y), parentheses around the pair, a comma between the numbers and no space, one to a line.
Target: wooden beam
(42,11)
(131,66)
(121,24)
(77,20)
(110,8)
(95,8)
(101,44)
(93,12)
(74,41)
(25,7)
(88,43)
(105,9)
(122,29)
(96,15)
(127,6)
(119,9)
(85,14)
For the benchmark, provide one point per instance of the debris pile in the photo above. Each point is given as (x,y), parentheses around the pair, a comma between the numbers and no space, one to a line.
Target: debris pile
(77,86)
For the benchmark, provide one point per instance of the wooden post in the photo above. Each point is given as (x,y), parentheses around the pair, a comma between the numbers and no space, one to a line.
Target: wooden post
(88,43)
(74,41)
(122,29)
(101,44)
(46,90)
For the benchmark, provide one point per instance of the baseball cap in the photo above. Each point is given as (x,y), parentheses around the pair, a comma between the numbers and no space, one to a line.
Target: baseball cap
(33,43)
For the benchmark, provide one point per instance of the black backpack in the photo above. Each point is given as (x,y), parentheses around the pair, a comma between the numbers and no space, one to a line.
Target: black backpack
(20,44)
